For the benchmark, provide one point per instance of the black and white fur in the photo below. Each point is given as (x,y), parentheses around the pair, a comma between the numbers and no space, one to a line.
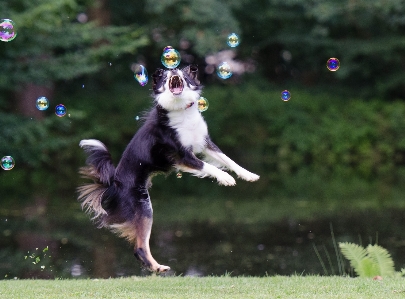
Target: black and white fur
(173,133)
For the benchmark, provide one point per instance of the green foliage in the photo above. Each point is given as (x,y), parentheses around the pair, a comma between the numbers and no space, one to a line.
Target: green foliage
(204,23)
(368,262)
(52,45)
(366,36)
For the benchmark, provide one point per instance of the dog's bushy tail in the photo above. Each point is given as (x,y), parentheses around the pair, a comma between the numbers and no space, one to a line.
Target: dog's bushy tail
(101,170)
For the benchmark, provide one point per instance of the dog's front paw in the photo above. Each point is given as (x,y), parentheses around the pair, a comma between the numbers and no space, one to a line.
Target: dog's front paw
(226,179)
(248,176)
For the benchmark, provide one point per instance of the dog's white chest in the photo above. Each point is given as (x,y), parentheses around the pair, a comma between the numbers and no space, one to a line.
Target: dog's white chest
(191,128)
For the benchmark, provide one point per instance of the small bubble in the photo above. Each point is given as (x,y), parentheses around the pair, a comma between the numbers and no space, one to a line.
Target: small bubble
(7,30)
(202,104)
(42,103)
(137,117)
(333,64)
(83,86)
(170,58)
(233,40)
(141,74)
(7,163)
(224,70)
(179,175)
(60,110)
(285,95)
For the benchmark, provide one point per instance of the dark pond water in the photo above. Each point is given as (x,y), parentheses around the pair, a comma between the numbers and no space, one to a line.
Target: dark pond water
(49,248)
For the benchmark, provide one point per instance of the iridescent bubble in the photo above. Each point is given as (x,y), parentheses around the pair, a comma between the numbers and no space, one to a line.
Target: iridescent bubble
(170,58)
(224,70)
(202,104)
(141,74)
(7,163)
(233,40)
(60,110)
(7,30)
(333,64)
(42,103)
(179,175)
(285,95)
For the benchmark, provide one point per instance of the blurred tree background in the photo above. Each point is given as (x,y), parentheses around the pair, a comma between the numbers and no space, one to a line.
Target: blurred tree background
(337,145)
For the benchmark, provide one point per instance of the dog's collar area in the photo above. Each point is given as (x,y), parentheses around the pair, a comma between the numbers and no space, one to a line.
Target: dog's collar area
(189,105)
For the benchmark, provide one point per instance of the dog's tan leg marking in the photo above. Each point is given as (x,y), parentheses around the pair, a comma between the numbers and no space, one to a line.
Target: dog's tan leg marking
(142,250)
(225,161)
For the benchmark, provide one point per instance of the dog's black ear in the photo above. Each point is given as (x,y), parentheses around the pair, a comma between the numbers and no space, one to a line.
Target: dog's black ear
(158,79)
(191,73)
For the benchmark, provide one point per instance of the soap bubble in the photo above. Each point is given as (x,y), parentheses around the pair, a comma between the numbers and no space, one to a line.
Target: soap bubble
(7,163)
(233,40)
(333,64)
(179,175)
(202,104)
(285,95)
(60,110)
(42,103)
(141,74)
(7,30)
(224,70)
(170,58)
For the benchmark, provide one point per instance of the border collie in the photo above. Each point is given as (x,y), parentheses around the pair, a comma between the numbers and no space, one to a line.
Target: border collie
(173,133)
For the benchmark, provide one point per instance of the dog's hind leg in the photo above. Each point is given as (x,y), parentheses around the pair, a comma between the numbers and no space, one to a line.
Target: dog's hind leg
(143,226)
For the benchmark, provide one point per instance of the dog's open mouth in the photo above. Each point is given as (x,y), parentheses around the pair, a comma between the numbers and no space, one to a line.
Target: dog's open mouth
(176,84)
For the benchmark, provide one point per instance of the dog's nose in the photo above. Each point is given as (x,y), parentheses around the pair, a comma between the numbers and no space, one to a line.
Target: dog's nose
(176,84)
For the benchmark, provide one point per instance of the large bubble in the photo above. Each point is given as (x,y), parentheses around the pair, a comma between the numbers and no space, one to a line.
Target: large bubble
(42,103)
(170,58)
(285,95)
(233,40)
(7,30)
(7,163)
(60,110)
(141,74)
(202,104)
(224,70)
(333,64)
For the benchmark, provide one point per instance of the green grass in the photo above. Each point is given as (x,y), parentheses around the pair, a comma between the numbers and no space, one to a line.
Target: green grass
(207,287)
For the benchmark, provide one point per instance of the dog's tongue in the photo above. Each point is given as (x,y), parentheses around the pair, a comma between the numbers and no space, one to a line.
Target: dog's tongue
(176,85)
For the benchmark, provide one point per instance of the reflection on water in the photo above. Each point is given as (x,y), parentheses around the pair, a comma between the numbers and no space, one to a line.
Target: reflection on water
(77,249)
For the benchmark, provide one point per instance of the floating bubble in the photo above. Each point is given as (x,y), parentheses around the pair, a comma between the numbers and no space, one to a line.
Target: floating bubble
(42,103)
(285,95)
(179,175)
(7,163)
(224,70)
(170,57)
(60,110)
(7,30)
(333,64)
(141,74)
(202,104)
(233,40)
(137,117)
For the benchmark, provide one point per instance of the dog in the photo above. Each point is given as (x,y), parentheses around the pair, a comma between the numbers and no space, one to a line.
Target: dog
(172,135)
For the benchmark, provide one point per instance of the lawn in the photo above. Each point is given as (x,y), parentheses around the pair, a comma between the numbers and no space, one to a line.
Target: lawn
(207,287)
